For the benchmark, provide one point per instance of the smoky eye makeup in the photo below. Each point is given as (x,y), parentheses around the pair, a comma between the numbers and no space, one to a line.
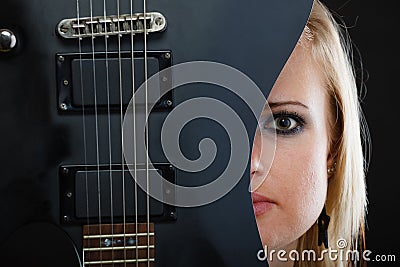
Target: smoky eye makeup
(283,123)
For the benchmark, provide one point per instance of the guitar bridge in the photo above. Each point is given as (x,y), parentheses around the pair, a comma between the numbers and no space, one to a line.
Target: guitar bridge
(111,25)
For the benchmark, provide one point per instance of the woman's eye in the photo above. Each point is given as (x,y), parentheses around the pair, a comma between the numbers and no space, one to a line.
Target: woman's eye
(284,124)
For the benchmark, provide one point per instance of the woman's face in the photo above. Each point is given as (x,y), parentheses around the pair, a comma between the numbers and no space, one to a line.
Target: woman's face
(292,195)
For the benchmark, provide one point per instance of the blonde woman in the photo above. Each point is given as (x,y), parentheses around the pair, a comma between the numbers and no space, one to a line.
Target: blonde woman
(313,198)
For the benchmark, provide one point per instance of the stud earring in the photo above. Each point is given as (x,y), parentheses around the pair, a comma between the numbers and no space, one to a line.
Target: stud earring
(332,168)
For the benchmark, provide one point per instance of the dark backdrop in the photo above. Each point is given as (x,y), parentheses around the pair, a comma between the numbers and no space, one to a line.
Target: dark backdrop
(374,28)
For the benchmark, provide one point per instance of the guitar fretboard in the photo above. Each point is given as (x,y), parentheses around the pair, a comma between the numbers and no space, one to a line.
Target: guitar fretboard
(118,245)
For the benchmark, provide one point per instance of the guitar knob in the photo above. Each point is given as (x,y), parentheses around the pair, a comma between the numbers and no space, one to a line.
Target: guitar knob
(7,40)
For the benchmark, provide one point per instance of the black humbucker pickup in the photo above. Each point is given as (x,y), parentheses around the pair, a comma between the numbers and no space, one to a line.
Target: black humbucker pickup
(103,82)
(107,193)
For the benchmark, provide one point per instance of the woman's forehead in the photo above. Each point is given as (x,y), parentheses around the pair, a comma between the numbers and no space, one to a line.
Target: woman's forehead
(300,79)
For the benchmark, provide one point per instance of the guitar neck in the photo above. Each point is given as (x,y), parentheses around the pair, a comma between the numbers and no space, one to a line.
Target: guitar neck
(118,245)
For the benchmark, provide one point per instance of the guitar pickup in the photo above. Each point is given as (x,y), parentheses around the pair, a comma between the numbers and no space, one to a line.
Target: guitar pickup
(106,193)
(84,81)
(112,25)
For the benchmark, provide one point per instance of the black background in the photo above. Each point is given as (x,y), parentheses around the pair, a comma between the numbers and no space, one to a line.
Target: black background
(373,28)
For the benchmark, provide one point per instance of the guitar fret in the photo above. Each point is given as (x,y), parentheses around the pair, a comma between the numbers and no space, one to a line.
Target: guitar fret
(123,245)
(117,229)
(107,255)
(116,235)
(118,248)
(118,241)
(119,261)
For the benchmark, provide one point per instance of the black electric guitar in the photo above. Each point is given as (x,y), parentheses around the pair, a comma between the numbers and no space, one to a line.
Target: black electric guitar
(81,157)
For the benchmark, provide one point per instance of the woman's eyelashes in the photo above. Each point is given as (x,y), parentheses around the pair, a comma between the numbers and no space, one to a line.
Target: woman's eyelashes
(283,123)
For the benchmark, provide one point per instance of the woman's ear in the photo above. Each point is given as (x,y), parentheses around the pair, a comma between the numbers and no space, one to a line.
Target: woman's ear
(333,152)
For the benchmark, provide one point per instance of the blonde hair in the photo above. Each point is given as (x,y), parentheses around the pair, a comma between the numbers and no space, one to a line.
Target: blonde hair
(346,200)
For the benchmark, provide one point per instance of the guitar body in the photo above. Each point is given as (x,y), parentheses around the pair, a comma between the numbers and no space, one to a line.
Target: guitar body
(54,144)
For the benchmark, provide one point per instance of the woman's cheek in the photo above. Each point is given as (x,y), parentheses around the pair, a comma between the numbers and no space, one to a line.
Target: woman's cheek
(302,188)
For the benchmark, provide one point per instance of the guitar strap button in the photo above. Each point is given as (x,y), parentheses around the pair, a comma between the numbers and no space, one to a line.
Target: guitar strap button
(7,40)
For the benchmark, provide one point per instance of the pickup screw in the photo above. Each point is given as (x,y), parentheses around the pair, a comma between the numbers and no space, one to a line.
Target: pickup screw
(169,103)
(167,55)
(63,106)
(69,194)
(65,82)
(61,58)
(66,218)
(172,214)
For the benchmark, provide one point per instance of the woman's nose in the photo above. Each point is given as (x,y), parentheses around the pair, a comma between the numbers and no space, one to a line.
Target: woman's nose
(256,163)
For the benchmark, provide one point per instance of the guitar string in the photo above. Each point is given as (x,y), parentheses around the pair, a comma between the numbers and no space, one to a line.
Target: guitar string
(122,135)
(83,126)
(109,131)
(96,128)
(134,132)
(147,133)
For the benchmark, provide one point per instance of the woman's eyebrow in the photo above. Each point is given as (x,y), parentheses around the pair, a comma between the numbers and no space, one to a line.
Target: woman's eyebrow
(283,103)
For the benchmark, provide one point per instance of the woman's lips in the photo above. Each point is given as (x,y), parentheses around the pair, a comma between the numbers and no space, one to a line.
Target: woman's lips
(261,204)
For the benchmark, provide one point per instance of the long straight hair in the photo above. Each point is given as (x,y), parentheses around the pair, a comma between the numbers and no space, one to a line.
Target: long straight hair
(346,201)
